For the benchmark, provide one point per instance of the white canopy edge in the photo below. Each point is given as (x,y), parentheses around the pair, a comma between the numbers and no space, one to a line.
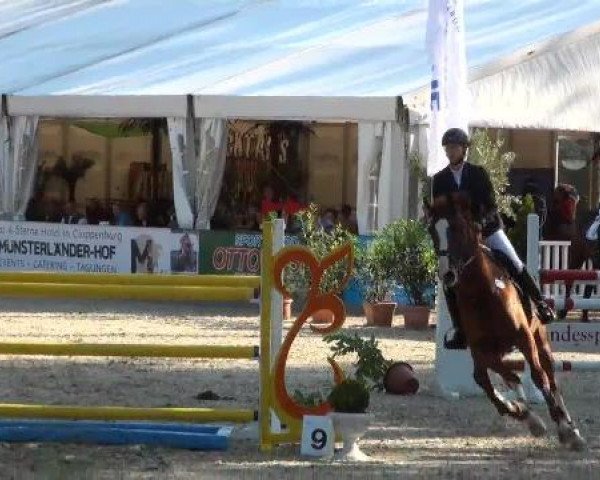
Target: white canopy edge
(556,90)
(209,106)
(98,106)
(550,85)
(368,109)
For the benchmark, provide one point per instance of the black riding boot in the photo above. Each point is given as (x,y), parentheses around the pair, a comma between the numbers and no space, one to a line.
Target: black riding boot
(457,340)
(530,288)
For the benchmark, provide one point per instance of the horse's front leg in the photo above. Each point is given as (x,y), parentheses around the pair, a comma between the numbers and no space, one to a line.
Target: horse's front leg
(482,378)
(567,432)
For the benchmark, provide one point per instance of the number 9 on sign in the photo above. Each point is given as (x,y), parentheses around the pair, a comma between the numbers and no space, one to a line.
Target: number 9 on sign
(317,436)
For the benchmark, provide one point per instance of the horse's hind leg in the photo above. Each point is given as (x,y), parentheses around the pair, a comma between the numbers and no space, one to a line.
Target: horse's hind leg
(567,433)
(482,378)
(534,423)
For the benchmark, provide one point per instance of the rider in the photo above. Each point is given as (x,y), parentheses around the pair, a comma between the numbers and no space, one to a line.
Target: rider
(473,180)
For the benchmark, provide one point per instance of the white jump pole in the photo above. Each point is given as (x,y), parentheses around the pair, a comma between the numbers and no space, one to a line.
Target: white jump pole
(533,267)
(276,311)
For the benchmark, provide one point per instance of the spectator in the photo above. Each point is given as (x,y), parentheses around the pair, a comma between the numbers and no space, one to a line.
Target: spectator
(328,220)
(94,212)
(291,207)
(347,219)
(120,216)
(172,218)
(142,216)
(268,203)
(51,211)
(71,216)
(253,218)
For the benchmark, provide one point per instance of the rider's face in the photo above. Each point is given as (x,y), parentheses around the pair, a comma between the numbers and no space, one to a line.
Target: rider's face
(455,153)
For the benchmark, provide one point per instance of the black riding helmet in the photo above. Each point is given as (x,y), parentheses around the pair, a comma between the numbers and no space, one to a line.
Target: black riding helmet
(455,136)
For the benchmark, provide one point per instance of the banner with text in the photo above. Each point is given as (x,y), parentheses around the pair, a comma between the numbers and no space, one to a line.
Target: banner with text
(33,246)
(237,253)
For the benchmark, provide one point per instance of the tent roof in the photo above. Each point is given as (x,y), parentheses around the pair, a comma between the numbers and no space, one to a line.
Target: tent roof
(337,48)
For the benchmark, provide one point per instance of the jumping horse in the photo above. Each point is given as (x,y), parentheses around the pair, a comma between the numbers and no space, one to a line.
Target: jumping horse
(562,225)
(494,319)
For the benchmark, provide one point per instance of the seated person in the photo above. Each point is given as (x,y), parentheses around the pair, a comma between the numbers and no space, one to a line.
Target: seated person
(347,219)
(120,216)
(71,216)
(268,203)
(328,220)
(291,207)
(142,215)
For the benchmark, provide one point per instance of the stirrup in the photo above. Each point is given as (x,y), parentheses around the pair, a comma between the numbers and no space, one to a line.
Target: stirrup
(457,342)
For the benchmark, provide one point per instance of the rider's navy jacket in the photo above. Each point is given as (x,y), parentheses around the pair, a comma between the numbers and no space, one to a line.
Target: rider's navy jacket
(475,183)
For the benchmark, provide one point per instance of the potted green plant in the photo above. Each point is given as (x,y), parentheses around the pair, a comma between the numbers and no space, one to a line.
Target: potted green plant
(374,271)
(297,278)
(350,398)
(370,366)
(414,267)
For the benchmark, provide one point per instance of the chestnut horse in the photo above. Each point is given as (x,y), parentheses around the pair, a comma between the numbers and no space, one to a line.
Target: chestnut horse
(493,319)
(562,225)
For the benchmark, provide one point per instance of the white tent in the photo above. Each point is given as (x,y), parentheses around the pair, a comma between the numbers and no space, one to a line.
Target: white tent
(300,59)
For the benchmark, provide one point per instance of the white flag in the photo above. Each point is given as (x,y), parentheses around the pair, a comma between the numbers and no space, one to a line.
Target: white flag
(449,93)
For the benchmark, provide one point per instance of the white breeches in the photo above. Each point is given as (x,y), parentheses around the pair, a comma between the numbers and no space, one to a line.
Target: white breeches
(499,241)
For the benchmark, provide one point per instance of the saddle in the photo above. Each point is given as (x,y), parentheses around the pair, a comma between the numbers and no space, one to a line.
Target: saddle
(502,261)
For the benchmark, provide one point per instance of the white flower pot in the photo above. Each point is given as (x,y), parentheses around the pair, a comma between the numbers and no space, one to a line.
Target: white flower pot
(351,426)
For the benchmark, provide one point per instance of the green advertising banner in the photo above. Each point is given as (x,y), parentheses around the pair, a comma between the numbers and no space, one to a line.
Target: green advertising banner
(236,253)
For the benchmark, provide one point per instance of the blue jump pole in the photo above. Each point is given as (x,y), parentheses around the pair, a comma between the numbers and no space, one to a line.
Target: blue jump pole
(171,435)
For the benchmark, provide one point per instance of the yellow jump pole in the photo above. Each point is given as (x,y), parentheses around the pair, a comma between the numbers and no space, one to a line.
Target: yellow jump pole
(194,415)
(128,292)
(270,331)
(266,397)
(130,350)
(249,281)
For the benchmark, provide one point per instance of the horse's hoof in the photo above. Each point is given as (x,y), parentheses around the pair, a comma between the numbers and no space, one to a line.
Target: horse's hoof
(570,436)
(577,442)
(536,426)
(564,432)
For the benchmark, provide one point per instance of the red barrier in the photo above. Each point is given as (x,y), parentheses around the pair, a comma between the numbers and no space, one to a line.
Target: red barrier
(568,276)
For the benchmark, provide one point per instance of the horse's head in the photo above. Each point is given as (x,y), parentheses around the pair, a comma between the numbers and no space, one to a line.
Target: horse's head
(564,203)
(455,236)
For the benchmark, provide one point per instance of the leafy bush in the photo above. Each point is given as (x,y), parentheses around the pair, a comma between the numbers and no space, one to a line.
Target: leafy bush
(518,234)
(297,277)
(349,396)
(312,399)
(487,152)
(411,256)
(371,365)
(372,272)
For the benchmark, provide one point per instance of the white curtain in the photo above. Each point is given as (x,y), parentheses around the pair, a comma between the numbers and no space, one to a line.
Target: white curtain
(183,194)
(383,175)
(198,148)
(18,164)
(393,176)
(370,145)
(211,166)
